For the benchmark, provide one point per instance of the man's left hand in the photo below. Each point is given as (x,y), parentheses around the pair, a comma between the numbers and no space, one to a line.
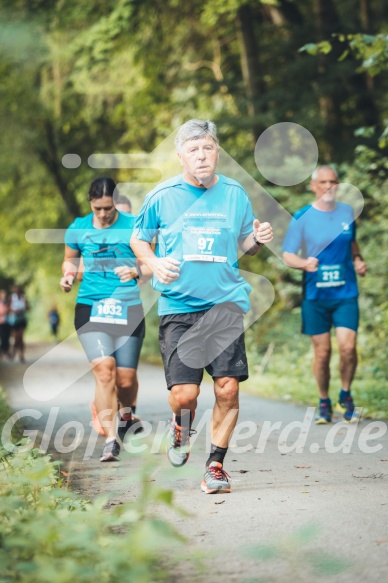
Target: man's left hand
(262,232)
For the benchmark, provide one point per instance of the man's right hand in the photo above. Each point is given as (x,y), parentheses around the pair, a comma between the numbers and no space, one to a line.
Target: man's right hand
(311,264)
(165,269)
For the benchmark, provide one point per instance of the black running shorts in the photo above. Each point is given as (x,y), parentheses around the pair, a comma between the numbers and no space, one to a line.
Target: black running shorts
(210,339)
(134,327)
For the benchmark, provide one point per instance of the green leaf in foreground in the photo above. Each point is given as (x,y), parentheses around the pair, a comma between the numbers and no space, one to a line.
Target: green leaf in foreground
(51,535)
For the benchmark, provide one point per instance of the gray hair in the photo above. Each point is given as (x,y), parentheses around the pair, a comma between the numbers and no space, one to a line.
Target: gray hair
(314,175)
(195,129)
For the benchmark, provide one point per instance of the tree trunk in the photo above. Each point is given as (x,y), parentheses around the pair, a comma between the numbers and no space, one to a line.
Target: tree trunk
(283,14)
(366,15)
(50,158)
(327,22)
(366,19)
(255,87)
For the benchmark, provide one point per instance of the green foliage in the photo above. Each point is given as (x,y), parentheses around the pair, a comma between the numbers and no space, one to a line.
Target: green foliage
(48,534)
(371,50)
(314,49)
(369,174)
(5,413)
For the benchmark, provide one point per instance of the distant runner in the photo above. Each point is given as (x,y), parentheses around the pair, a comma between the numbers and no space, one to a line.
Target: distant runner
(200,219)
(17,319)
(54,321)
(5,328)
(109,316)
(330,288)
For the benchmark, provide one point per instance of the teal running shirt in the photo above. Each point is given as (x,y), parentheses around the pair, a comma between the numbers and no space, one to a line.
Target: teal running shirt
(202,228)
(102,251)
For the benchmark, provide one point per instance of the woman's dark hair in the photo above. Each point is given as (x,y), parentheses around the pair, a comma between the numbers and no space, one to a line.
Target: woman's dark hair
(103,186)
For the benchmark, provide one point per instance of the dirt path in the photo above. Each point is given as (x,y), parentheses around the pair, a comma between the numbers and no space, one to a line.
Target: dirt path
(323,512)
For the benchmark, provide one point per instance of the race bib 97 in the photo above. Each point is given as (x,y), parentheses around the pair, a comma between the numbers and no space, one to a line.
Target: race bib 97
(205,243)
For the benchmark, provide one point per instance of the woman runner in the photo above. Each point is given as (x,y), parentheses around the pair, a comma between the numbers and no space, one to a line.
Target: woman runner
(109,316)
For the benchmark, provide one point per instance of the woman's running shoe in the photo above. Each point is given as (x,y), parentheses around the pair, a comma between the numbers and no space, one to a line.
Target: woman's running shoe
(111,451)
(132,425)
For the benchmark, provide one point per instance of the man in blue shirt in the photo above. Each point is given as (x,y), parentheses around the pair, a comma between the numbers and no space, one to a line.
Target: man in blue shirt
(324,233)
(200,219)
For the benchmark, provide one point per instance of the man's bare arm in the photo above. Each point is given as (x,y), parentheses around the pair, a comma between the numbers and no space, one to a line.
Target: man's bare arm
(165,269)
(359,264)
(297,262)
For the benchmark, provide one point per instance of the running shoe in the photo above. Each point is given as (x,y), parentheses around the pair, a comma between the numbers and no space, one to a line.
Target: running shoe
(348,410)
(178,448)
(111,451)
(324,413)
(133,425)
(215,480)
(95,420)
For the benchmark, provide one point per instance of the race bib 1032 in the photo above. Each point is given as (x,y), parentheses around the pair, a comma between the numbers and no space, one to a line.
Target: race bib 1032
(109,311)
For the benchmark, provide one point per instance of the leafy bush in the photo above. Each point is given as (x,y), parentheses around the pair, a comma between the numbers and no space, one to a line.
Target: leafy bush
(48,534)
(5,413)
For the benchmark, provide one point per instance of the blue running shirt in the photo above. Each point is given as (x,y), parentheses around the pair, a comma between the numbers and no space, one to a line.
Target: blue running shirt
(201,228)
(328,236)
(103,250)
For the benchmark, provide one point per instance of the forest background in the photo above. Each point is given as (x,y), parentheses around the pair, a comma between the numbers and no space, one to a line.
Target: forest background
(120,76)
